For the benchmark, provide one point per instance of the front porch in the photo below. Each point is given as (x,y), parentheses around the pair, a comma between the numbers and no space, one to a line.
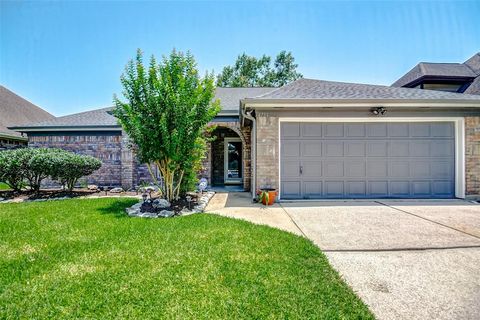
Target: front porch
(227,162)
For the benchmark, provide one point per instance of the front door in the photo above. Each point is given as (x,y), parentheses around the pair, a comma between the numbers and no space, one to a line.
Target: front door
(233,161)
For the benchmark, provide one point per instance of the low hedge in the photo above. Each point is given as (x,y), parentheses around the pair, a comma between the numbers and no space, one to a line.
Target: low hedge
(29,166)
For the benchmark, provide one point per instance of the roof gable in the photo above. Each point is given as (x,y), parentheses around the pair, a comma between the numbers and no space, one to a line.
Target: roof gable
(15,110)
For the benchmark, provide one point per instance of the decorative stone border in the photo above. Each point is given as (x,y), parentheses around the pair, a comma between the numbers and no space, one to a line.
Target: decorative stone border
(134,211)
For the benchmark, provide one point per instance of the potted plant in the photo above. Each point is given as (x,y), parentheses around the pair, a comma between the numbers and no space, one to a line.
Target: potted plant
(267,196)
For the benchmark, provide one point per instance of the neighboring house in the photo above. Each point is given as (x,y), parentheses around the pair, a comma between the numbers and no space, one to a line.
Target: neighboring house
(452,77)
(14,110)
(311,139)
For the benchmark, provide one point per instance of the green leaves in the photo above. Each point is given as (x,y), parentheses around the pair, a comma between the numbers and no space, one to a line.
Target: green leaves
(33,165)
(165,110)
(249,71)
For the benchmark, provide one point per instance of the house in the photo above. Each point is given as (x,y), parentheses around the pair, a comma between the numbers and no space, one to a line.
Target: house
(15,110)
(452,77)
(310,139)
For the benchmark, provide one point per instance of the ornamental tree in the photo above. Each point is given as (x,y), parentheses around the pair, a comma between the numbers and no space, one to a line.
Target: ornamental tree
(165,112)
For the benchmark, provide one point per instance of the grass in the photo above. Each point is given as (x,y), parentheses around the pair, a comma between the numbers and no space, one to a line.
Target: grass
(4,186)
(86,259)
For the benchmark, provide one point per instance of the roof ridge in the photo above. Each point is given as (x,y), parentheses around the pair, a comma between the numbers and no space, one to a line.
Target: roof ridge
(33,104)
(278,88)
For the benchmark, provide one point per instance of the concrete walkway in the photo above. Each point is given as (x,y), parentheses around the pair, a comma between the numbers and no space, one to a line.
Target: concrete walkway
(405,259)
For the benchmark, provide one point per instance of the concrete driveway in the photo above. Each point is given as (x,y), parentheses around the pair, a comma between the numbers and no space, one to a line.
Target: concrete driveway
(405,259)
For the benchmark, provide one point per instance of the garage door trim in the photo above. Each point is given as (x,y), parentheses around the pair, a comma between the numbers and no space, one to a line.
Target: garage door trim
(459,124)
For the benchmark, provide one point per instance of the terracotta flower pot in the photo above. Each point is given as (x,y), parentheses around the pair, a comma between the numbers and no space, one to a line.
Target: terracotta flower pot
(272,193)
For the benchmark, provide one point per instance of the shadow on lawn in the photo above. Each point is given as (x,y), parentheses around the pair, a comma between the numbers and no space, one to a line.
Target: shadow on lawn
(117,208)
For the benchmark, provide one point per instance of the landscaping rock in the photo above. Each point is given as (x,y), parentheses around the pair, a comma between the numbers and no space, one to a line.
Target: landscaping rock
(1,199)
(166,214)
(116,190)
(160,204)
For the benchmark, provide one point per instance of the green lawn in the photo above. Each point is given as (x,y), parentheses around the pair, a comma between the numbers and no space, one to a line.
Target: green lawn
(86,259)
(4,186)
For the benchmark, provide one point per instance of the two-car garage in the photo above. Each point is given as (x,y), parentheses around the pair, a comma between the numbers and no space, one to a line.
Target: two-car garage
(399,159)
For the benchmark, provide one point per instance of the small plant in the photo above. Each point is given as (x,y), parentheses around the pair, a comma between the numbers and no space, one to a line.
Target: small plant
(264,197)
(267,196)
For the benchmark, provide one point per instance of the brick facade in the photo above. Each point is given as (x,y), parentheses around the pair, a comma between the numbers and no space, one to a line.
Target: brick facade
(267,150)
(472,156)
(106,146)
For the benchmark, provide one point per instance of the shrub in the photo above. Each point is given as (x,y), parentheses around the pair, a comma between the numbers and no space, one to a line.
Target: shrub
(71,167)
(33,165)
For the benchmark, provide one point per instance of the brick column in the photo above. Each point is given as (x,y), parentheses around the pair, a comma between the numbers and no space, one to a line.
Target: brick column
(472,156)
(267,150)
(128,163)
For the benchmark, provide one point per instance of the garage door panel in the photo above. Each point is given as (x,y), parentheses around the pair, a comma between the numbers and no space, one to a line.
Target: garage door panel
(398,149)
(378,130)
(311,130)
(378,188)
(333,149)
(442,130)
(313,189)
(312,148)
(291,149)
(356,189)
(291,169)
(334,189)
(399,169)
(419,148)
(311,169)
(377,149)
(356,130)
(377,168)
(442,148)
(355,149)
(420,130)
(399,188)
(333,130)
(291,190)
(289,130)
(355,168)
(333,168)
(420,169)
(397,130)
(421,188)
(368,160)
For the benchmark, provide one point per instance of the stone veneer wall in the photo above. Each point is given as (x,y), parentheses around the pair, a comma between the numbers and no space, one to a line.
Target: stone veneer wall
(472,156)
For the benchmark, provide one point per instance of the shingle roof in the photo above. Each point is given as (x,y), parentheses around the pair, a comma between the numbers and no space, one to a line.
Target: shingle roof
(328,90)
(15,110)
(229,99)
(94,118)
(424,69)
(474,88)
(474,63)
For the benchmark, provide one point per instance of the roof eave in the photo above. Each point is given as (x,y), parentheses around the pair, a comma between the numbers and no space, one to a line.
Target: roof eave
(285,103)
(12,137)
(65,128)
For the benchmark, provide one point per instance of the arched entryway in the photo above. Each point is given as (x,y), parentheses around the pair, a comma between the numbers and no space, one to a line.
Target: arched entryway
(227,162)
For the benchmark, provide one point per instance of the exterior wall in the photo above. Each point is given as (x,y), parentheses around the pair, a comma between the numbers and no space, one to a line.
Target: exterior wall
(106,146)
(267,150)
(267,175)
(472,156)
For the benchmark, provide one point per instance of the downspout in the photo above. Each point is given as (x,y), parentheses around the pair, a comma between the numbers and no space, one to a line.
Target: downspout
(253,149)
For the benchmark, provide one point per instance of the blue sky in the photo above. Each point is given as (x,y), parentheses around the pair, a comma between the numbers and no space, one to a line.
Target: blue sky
(67,56)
